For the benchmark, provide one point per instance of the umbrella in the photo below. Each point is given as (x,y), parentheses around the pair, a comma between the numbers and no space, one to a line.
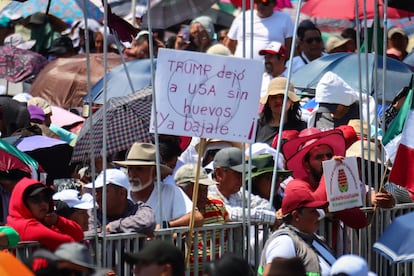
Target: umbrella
(397,240)
(128,120)
(165,14)
(67,10)
(117,81)
(10,162)
(63,82)
(18,65)
(10,265)
(345,65)
(53,154)
(346,9)
(409,60)
(63,118)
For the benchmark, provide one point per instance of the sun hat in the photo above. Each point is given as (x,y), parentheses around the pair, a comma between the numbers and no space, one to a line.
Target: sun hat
(159,252)
(274,48)
(143,154)
(113,176)
(36,112)
(75,253)
(216,144)
(355,150)
(264,163)
(74,199)
(296,198)
(296,149)
(187,173)
(18,41)
(335,41)
(230,157)
(277,86)
(40,102)
(351,265)
(219,49)
(207,23)
(332,89)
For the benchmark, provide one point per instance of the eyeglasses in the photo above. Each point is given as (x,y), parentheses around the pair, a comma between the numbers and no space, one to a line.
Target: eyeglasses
(38,198)
(312,39)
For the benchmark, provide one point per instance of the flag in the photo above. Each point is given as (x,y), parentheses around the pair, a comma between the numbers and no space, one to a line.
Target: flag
(402,172)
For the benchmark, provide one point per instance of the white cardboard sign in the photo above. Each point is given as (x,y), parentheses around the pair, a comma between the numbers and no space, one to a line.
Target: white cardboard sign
(208,96)
(342,184)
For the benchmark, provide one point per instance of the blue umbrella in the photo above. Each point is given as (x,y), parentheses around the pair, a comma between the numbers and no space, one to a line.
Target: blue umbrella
(345,65)
(396,243)
(409,60)
(118,83)
(67,10)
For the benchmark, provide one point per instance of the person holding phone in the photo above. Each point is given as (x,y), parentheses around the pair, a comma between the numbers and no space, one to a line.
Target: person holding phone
(31,214)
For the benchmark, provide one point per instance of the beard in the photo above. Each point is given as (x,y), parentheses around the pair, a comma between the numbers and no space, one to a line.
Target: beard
(137,185)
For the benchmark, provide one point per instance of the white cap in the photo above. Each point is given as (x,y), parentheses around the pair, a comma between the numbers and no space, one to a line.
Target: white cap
(113,176)
(334,90)
(274,48)
(74,200)
(351,265)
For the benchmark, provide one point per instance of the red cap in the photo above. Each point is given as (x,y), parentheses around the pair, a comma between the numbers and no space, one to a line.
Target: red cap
(296,198)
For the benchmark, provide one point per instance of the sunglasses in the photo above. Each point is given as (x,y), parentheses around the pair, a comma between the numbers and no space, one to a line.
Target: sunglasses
(312,39)
(38,198)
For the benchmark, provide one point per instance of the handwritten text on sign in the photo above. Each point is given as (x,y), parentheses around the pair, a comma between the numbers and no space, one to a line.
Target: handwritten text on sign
(207,96)
(342,184)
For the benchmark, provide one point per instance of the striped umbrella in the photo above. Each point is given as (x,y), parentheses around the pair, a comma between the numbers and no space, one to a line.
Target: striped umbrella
(128,120)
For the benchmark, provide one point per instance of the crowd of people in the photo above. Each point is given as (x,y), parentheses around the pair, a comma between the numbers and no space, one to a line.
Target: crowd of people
(125,195)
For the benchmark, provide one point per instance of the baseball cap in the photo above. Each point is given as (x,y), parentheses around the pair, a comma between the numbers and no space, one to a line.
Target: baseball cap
(187,173)
(113,176)
(350,265)
(75,253)
(296,198)
(36,189)
(274,48)
(159,252)
(74,199)
(230,157)
(40,102)
(277,86)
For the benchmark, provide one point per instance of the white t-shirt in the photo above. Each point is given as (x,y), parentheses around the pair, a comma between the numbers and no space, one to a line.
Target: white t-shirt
(283,247)
(266,80)
(276,27)
(174,203)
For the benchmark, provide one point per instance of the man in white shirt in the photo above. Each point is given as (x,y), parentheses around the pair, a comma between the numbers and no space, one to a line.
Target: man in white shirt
(175,204)
(268,25)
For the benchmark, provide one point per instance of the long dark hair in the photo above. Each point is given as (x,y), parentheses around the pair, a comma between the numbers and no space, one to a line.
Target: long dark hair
(294,113)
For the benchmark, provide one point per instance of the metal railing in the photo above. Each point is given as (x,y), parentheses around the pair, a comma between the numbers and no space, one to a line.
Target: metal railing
(212,241)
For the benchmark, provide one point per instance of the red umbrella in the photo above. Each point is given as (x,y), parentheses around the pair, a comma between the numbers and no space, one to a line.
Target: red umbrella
(10,162)
(346,9)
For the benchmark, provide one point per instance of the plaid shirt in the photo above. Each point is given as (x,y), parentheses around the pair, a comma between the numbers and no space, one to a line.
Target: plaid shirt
(259,207)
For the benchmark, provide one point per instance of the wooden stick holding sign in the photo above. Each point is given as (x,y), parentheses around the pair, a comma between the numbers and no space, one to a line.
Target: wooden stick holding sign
(195,197)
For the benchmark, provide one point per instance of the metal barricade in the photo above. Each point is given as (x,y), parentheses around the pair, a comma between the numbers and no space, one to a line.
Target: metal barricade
(212,241)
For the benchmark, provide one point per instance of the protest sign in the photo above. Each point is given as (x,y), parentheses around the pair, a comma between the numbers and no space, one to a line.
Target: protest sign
(207,96)
(342,184)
